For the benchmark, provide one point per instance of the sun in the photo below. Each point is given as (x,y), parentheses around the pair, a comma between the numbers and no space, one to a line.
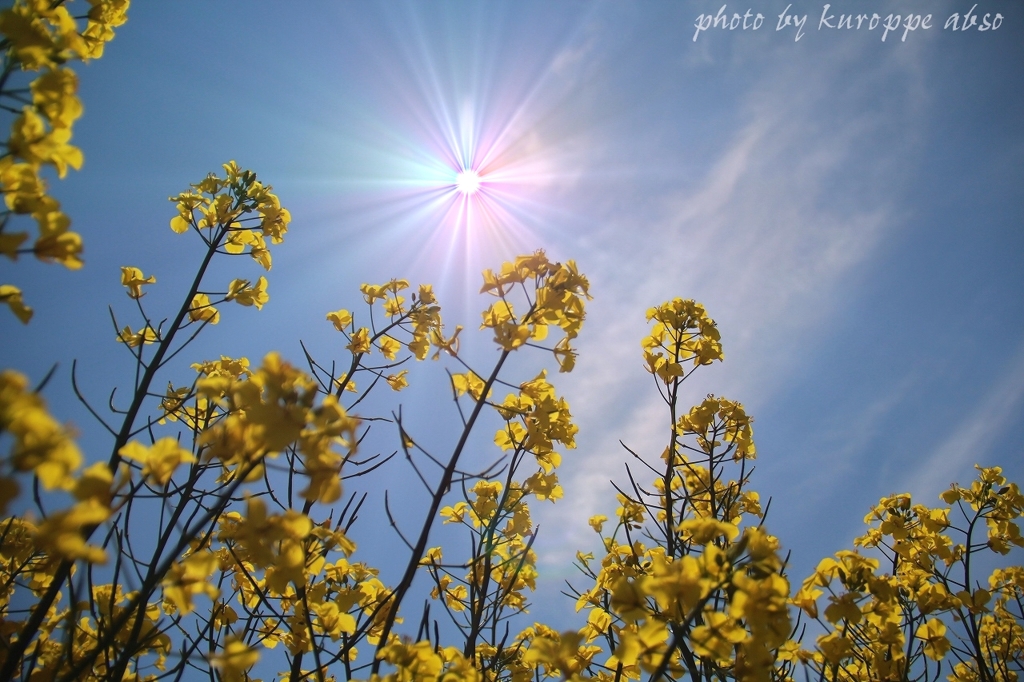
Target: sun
(467,181)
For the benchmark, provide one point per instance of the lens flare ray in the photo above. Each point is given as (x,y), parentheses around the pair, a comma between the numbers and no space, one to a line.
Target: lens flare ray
(459,168)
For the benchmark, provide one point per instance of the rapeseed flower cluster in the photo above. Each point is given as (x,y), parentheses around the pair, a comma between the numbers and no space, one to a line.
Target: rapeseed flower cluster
(43,37)
(215,538)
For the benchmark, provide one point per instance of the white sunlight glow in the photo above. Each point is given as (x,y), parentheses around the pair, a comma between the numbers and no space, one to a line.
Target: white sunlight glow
(458,167)
(468,181)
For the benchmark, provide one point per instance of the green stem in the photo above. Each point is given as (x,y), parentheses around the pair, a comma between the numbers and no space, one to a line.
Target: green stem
(435,504)
(28,632)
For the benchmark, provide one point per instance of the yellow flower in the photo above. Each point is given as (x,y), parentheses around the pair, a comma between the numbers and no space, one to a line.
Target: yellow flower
(61,533)
(202,311)
(544,486)
(455,597)
(629,598)
(389,347)
(275,218)
(835,647)
(360,341)
(41,444)
(703,531)
(12,241)
(372,292)
(31,141)
(933,633)
(333,621)
(455,514)
(56,242)
(134,280)
(341,319)
(190,577)
(393,306)
(135,339)
(181,222)
(11,295)
(23,188)
(95,483)
(717,637)
(158,461)
(511,436)
(31,43)
(241,291)
(843,608)
(53,94)
(397,381)
(638,643)
(450,346)
(427,294)
(235,658)
(469,383)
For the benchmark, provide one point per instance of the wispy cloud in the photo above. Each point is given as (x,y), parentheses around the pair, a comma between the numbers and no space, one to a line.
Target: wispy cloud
(972,440)
(759,243)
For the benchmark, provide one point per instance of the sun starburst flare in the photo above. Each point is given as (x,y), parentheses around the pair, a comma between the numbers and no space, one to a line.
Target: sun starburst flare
(468,181)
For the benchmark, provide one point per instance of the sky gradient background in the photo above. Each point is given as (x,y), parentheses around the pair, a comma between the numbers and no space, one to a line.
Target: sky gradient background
(849,210)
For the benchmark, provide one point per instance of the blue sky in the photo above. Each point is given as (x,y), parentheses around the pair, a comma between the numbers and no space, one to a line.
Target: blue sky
(849,210)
